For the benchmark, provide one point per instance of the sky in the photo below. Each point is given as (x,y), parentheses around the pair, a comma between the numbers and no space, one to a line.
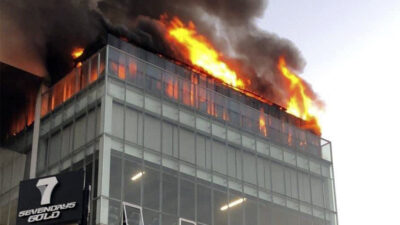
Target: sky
(352,50)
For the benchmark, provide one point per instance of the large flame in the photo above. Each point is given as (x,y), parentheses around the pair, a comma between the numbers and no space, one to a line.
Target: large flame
(300,104)
(201,53)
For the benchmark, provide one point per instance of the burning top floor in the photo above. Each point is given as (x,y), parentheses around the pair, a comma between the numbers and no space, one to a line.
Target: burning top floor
(189,86)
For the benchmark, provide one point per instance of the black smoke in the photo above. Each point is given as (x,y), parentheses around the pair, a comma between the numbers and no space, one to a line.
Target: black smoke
(44,32)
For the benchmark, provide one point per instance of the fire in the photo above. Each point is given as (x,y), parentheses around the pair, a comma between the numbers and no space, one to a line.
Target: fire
(300,104)
(263,125)
(201,53)
(77,52)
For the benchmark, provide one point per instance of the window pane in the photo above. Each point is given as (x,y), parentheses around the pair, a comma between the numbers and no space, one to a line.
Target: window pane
(317,196)
(304,187)
(186,145)
(239,163)
(260,172)
(232,162)
(114,213)
(291,182)
(133,215)
(80,131)
(54,148)
(249,163)
(264,215)
(115,177)
(277,178)
(170,194)
(201,151)
(152,134)
(132,171)
(187,199)
(151,185)
(251,212)
(220,217)
(169,220)
(219,157)
(236,212)
(167,138)
(91,126)
(267,167)
(131,125)
(150,217)
(203,204)
(66,141)
(117,120)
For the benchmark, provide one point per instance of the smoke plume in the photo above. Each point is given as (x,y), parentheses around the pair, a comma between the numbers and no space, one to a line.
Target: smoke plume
(40,35)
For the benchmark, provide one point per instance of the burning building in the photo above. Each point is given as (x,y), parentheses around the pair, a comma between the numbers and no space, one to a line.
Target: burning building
(165,142)
(168,128)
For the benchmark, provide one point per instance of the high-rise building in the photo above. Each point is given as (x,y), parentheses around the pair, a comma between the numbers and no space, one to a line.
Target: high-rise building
(163,144)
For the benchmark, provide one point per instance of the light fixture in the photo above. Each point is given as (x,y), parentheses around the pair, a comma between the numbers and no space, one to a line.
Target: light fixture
(233,203)
(137,176)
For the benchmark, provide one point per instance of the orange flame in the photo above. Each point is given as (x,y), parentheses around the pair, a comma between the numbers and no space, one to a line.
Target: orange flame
(300,104)
(77,52)
(263,127)
(201,53)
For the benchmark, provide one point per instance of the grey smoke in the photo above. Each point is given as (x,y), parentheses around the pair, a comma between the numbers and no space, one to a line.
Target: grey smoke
(52,28)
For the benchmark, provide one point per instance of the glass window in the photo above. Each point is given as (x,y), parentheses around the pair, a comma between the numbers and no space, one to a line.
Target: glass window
(151,188)
(91,126)
(152,134)
(219,157)
(66,141)
(169,194)
(131,125)
(150,217)
(328,192)
(203,204)
(169,220)
(251,212)
(42,152)
(132,179)
(115,177)
(114,213)
(239,163)
(316,188)
(267,168)
(186,145)
(304,187)
(117,120)
(187,199)
(291,182)
(264,214)
(260,172)
(167,138)
(235,213)
(132,215)
(54,148)
(231,162)
(277,178)
(80,131)
(220,216)
(249,168)
(208,153)
(201,151)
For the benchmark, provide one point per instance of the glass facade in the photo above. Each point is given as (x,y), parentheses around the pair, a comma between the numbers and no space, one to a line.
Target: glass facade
(165,145)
